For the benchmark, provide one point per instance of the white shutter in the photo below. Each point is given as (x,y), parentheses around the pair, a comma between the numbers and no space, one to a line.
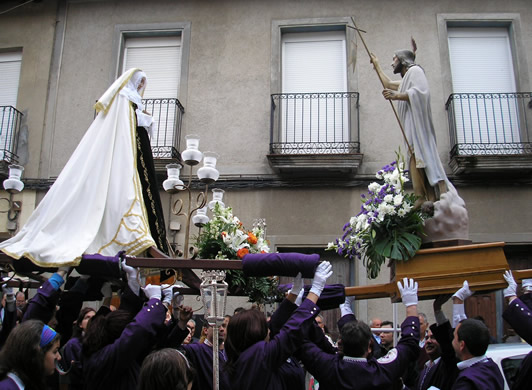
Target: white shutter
(160,59)
(313,72)
(10,63)
(481,62)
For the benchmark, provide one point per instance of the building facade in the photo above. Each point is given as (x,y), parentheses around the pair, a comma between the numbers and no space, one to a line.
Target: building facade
(284,92)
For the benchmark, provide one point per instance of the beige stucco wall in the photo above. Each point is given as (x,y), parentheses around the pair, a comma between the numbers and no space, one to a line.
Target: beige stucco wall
(228,99)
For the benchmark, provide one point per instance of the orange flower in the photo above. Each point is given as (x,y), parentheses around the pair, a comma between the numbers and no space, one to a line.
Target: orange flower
(224,234)
(252,239)
(242,252)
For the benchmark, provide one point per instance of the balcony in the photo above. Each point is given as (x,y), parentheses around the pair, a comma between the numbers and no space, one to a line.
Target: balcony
(490,133)
(168,115)
(10,121)
(315,133)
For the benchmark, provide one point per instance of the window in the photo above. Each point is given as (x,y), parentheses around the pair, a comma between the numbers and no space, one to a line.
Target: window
(314,76)
(488,110)
(160,59)
(10,63)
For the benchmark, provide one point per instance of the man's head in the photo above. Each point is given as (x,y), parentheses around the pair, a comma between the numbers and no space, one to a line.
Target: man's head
(471,339)
(375,323)
(20,300)
(355,339)
(319,321)
(402,60)
(432,347)
(423,325)
(191,324)
(386,337)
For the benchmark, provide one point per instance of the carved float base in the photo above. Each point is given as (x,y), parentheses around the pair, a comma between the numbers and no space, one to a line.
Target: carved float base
(442,270)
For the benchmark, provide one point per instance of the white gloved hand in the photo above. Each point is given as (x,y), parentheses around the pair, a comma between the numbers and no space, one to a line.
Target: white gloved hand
(166,292)
(297,285)
(408,292)
(152,291)
(132,277)
(526,285)
(323,272)
(299,298)
(345,308)
(511,290)
(464,292)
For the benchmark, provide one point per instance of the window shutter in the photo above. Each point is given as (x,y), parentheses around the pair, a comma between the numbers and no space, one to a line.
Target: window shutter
(160,59)
(486,111)
(313,76)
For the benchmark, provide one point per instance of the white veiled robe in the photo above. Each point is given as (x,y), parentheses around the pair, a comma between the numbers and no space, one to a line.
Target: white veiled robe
(96,204)
(416,117)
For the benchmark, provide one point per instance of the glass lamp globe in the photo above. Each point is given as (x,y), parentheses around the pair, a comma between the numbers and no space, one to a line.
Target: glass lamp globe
(191,155)
(173,183)
(13,184)
(208,173)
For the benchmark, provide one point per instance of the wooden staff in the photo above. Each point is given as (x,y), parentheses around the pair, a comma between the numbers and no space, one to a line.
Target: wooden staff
(383,85)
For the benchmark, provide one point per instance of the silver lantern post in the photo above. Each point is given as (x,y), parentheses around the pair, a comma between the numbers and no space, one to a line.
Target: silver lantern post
(213,290)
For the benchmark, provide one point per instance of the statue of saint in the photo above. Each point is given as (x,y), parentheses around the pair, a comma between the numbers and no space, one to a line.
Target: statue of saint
(427,174)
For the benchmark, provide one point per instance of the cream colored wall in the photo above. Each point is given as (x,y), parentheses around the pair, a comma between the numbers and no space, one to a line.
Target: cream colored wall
(228,100)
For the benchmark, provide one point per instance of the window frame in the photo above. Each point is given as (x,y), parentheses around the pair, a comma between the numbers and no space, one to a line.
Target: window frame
(124,31)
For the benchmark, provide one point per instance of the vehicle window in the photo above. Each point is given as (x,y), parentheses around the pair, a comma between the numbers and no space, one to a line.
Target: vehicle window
(510,367)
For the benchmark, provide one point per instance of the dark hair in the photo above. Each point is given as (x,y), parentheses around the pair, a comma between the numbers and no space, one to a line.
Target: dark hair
(23,354)
(76,328)
(475,334)
(244,330)
(386,323)
(165,369)
(104,330)
(355,336)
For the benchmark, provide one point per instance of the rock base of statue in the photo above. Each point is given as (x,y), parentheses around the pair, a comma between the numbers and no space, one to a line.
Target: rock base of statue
(450,220)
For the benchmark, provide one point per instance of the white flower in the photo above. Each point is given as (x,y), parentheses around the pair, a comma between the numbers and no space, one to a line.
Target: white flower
(374,187)
(401,212)
(331,245)
(397,200)
(388,198)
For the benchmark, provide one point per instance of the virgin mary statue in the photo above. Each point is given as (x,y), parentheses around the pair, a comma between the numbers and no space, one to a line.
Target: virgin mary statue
(99,202)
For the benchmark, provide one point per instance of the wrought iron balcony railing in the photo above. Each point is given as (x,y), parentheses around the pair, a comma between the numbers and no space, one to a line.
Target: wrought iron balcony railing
(490,124)
(314,123)
(10,120)
(168,116)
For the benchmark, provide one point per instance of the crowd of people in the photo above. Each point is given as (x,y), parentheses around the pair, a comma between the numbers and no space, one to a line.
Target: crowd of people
(59,344)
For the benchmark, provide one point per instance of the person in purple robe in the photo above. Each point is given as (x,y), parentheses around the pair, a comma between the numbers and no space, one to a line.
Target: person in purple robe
(477,371)
(354,367)
(29,356)
(519,315)
(253,358)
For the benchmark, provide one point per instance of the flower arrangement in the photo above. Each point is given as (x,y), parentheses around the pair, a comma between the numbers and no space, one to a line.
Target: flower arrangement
(387,226)
(225,237)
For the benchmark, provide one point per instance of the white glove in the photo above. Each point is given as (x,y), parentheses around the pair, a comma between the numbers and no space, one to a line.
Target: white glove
(526,285)
(345,308)
(464,292)
(511,290)
(323,272)
(408,292)
(152,291)
(132,277)
(297,285)
(107,290)
(166,292)
(299,298)
(458,313)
